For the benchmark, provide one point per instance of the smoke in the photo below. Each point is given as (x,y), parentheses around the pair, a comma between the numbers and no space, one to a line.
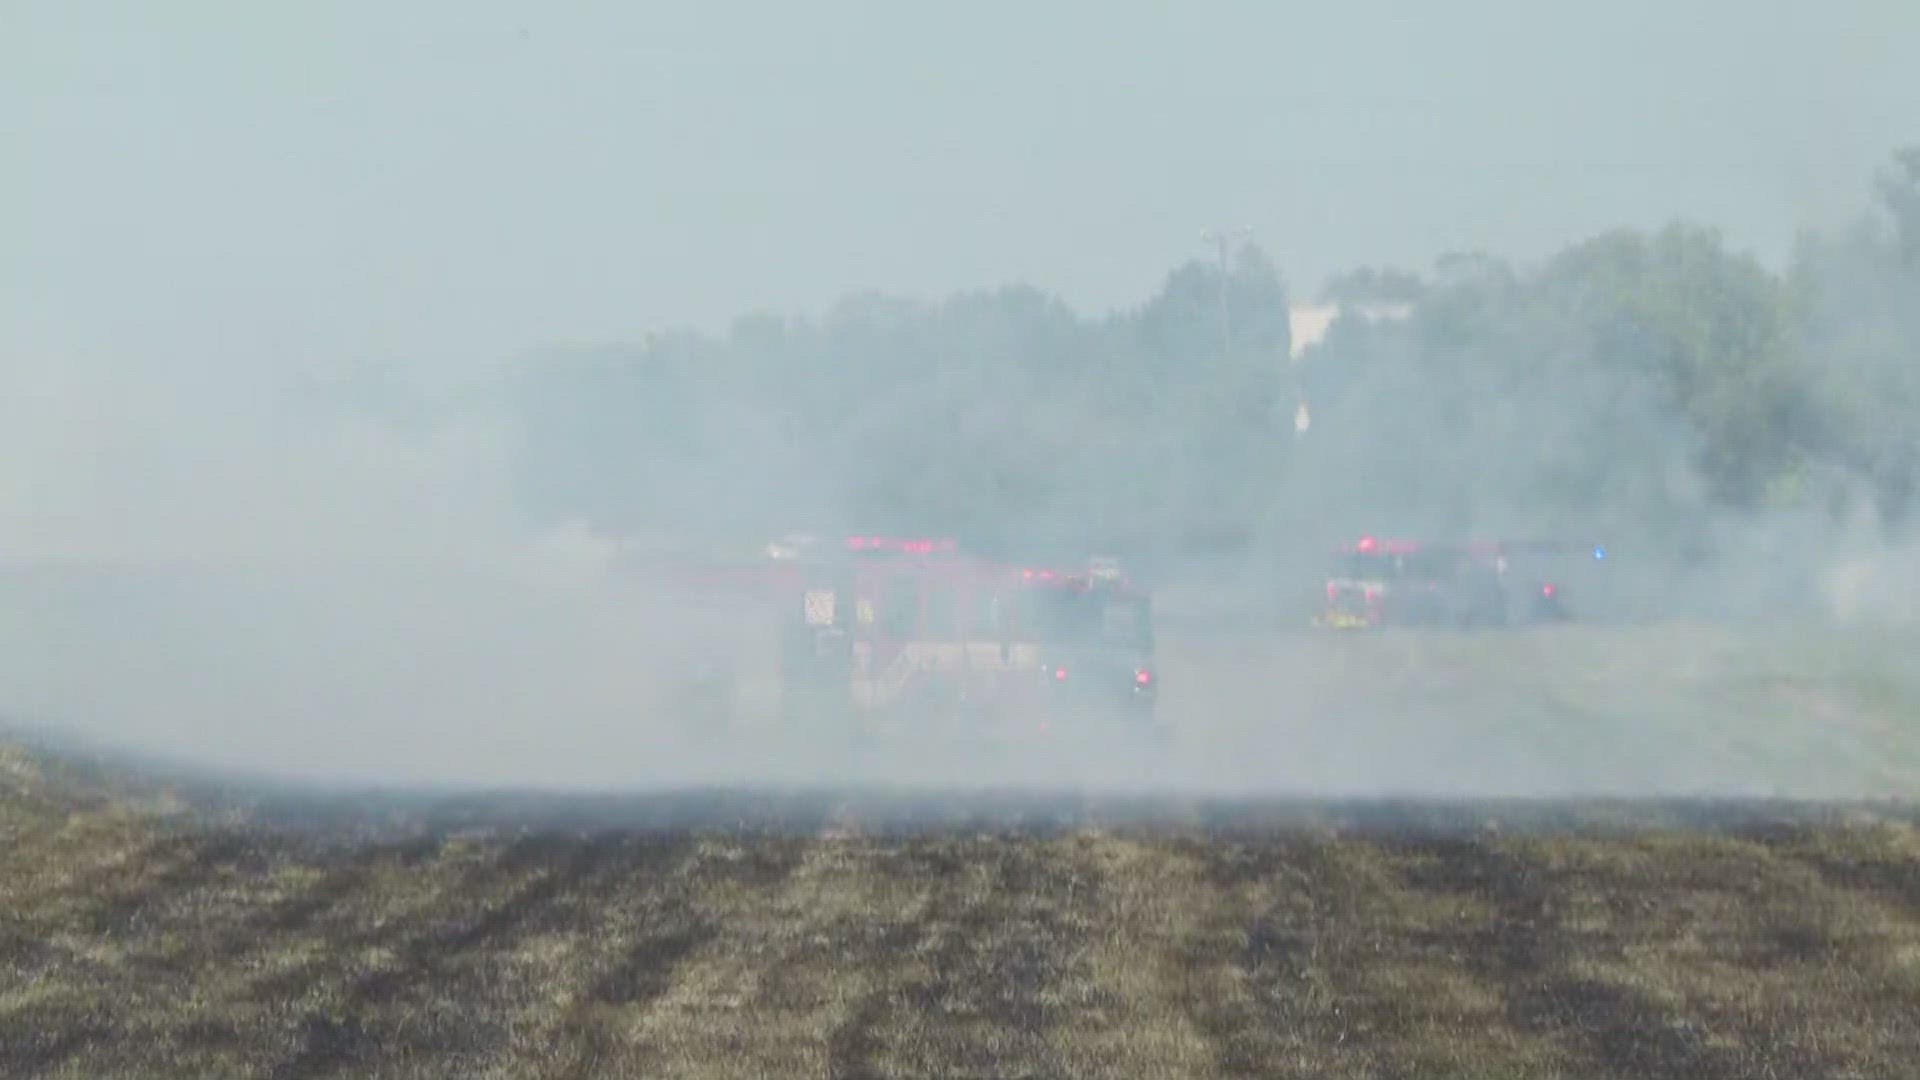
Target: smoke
(157,465)
(365,574)
(1873,584)
(221,571)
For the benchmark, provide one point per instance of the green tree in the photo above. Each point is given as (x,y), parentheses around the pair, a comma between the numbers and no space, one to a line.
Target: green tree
(1858,308)
(1640,371)
(1899,185)
(1709,330)
(1367,283)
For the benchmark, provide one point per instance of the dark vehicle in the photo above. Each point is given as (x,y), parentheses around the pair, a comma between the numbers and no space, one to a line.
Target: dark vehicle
(1095,636)
(1557,582)
(901,634)
(1547,602)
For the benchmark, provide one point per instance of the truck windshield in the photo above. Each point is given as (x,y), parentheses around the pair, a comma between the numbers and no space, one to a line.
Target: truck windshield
(1083,616)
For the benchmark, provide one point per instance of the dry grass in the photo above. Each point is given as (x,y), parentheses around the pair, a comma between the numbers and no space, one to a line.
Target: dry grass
(140,940)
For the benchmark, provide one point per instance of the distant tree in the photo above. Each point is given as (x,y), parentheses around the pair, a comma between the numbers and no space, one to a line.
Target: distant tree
(1375,283)
(1258,305)
(1180,327)
(1215,374)
(1625,370)
(1858,321)
(1899,185)
(1655,373)
(1468,267)
(1708,331)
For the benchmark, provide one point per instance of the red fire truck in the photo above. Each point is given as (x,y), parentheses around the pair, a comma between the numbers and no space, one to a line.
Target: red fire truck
(1380,582)
(896,634)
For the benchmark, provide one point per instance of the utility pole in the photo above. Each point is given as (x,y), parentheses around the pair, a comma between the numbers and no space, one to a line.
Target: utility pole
(1224,238)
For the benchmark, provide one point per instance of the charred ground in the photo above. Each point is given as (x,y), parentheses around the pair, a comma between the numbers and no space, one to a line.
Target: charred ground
(162,929)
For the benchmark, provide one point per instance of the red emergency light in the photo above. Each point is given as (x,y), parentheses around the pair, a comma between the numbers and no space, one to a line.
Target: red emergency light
(1369,545)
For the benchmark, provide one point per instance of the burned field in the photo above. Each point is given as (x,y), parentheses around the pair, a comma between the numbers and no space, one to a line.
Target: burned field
(143,936)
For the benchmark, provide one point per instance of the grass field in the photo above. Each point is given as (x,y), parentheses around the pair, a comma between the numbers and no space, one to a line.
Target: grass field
(1218,906)
(448,675)
(1579,711)
(144,933)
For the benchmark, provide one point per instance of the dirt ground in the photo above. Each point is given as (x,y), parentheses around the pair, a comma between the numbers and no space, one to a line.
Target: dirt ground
(150,931)
(1695,711)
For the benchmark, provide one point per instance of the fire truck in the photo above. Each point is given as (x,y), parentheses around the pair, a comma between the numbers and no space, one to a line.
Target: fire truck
(1379,582)
(903,634)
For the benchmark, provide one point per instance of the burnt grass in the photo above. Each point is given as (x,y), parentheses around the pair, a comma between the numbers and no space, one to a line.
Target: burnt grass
(142,939)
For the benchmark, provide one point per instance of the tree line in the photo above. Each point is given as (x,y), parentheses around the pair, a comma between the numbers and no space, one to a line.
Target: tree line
(1650,372)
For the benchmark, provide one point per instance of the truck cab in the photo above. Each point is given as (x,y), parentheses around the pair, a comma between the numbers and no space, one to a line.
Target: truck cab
(1096,641)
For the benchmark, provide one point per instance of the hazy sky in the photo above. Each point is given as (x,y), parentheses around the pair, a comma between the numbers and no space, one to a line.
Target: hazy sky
(200,200)
(452,180)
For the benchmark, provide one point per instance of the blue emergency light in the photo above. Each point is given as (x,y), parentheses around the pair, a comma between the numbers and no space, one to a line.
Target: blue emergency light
(1599,553)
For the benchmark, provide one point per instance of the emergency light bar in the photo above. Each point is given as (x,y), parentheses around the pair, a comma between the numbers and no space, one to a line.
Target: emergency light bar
(901,546)
(1373,545)
(1370,545)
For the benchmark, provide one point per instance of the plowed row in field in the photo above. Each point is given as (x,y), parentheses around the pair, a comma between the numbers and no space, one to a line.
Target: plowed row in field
(133,942)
